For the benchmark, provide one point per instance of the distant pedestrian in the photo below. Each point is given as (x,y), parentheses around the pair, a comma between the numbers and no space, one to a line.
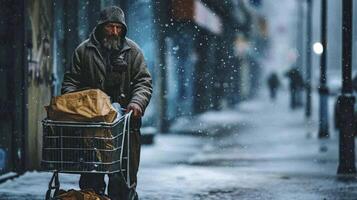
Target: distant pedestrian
(296,87)
(273,84)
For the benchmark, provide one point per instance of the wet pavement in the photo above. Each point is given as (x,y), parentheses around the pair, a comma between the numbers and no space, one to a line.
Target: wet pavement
(258,150)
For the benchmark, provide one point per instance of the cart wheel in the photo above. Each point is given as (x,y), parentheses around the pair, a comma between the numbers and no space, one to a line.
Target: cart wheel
(55,187)
(133,195)
(48,195)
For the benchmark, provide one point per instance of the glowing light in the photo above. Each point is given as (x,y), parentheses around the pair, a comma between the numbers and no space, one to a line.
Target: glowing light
(318,48)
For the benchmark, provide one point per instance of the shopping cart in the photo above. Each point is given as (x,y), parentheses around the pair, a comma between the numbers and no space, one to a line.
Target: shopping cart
(85,147)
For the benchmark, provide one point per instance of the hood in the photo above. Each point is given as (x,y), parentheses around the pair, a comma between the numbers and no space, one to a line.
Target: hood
(112,14)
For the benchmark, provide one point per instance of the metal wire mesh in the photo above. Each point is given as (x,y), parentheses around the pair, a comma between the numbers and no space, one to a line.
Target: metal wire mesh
(77,147)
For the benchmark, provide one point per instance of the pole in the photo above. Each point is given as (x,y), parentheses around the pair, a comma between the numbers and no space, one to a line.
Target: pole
(300,46)
(346,99)
(308,60)
(323,89)
(160,16)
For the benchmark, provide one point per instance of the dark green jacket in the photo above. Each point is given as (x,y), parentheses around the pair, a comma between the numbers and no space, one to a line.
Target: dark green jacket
(88,69)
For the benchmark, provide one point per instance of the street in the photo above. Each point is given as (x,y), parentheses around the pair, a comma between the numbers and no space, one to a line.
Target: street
(244,153)
(201,76)
(253,156)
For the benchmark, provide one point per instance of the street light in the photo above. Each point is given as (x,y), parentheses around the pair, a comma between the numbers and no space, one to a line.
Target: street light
(346,99)
(308,60)
(318,48)
(323,89)
(300,45)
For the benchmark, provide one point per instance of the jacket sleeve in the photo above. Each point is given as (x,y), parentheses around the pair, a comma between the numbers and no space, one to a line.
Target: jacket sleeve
(72,78)
(141,82)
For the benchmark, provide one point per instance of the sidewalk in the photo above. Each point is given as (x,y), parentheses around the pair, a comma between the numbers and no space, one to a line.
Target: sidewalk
(259,150)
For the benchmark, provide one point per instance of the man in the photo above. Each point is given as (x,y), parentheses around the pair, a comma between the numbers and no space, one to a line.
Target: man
(113,63)
(273,84)
(296,86)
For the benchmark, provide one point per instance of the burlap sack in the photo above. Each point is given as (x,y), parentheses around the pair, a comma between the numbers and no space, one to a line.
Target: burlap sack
(91,105)
(87,194)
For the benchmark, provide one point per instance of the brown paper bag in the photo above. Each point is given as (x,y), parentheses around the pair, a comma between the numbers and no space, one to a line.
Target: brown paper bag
(102,156)
(91,105)
(87,194)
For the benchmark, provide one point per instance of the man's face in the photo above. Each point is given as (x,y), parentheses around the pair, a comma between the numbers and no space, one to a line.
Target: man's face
(113,29)
(112,35)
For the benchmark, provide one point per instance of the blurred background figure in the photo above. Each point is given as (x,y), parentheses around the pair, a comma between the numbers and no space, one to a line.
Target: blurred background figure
(296,86)
(273,84)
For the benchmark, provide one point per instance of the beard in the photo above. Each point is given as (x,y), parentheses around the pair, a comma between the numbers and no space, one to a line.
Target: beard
(112,42)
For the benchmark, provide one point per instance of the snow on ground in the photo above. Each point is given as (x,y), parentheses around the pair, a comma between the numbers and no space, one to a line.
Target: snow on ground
(270,152)
(274,155)
(33,185)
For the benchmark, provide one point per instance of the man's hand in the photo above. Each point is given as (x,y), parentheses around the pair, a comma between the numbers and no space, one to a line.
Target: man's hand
(137,112)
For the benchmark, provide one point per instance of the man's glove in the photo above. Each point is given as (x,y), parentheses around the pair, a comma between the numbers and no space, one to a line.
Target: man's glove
(117,63)
(137,111)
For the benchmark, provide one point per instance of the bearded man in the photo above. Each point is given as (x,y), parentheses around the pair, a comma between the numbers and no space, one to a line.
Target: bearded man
(109,61)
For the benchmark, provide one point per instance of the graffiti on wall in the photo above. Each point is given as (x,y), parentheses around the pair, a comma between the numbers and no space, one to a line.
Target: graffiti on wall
(39,43)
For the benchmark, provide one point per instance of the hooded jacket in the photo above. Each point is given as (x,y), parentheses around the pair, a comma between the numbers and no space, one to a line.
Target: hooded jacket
(89,67)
